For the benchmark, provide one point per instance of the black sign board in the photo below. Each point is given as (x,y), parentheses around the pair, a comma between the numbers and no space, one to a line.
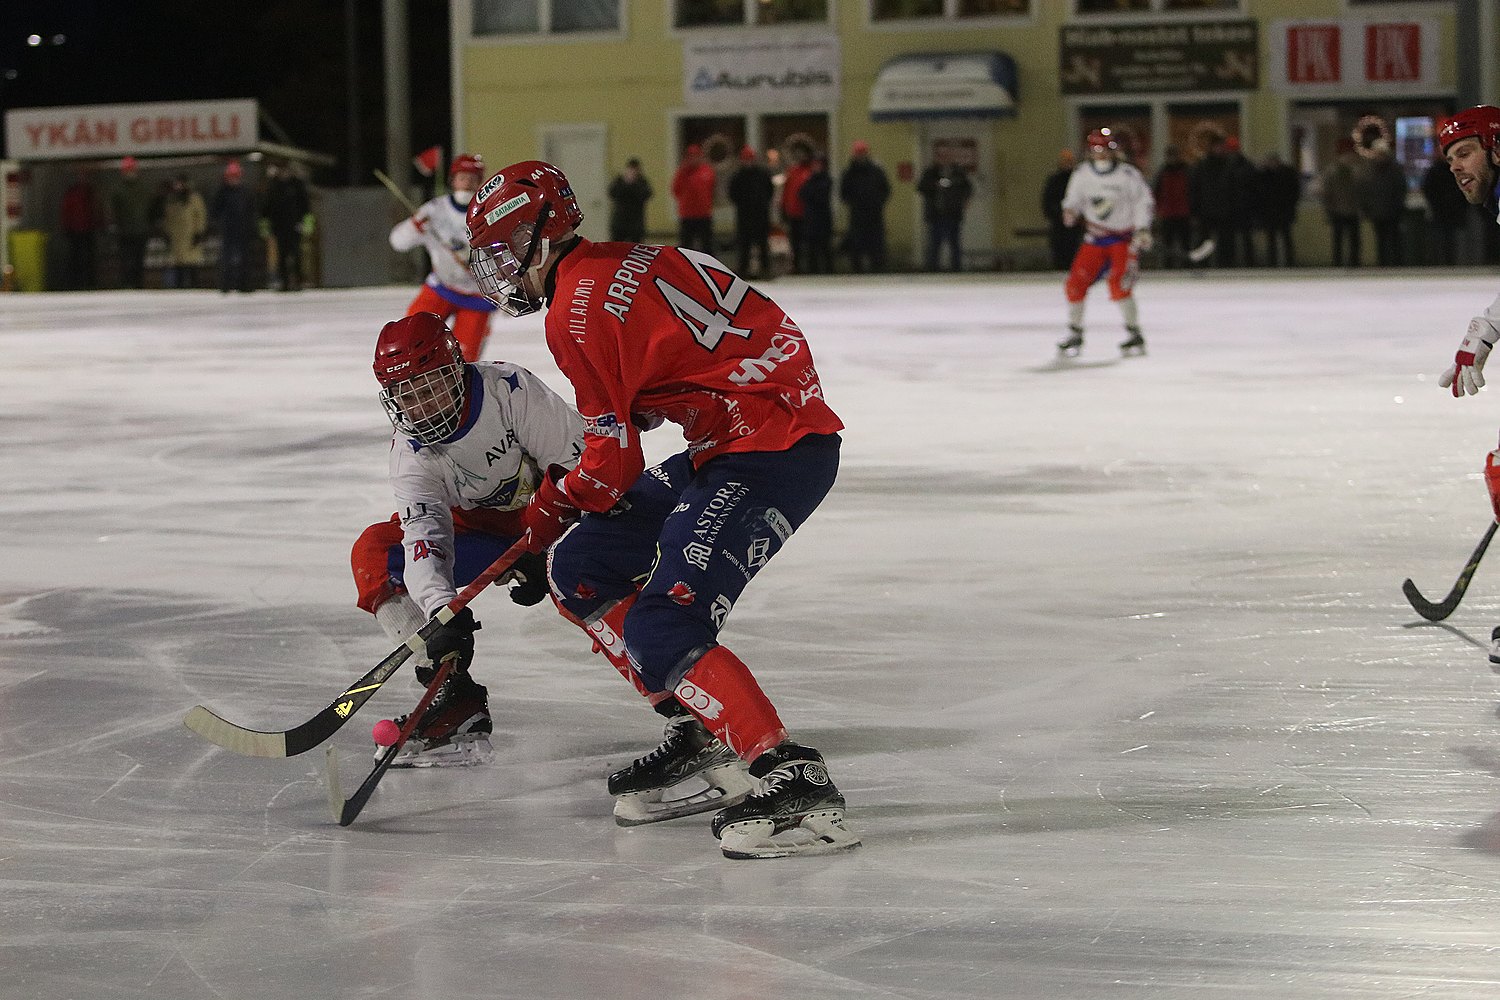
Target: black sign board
(1161,57)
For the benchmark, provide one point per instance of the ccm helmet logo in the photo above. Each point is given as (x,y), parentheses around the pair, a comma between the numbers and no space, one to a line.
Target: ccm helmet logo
(506,207)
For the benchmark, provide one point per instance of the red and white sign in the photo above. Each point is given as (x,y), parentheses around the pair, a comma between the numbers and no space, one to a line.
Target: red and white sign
(1354,57)
(109,130)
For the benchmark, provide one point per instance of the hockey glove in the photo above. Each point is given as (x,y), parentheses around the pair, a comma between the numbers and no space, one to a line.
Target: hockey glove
(1466,374)
(1492,480)
(549,514)
(1142,241)
(528,574)
(454,639)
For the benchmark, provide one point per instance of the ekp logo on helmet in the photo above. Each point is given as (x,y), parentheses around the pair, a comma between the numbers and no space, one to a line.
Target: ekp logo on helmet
(506,207)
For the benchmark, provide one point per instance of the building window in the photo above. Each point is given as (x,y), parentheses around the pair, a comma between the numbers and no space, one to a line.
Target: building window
(532,17)
(1154,6)
(911,10)
(729,13)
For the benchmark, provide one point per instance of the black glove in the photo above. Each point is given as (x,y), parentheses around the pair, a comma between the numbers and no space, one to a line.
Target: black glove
(529,576)
(454,638)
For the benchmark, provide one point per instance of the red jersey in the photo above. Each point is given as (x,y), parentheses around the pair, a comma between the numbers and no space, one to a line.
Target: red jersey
(647,334)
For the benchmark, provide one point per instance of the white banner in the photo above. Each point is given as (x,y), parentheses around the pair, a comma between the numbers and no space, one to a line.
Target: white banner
(109,130)
(794,71)
(1355,57)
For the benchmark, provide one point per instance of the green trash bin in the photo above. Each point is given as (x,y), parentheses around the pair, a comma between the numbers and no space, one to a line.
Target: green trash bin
(28,255)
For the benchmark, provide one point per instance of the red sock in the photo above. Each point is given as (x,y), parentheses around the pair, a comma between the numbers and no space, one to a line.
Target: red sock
(723,694)
(608,634)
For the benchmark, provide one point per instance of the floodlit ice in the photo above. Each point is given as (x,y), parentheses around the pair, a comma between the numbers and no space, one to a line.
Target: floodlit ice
(1110,658)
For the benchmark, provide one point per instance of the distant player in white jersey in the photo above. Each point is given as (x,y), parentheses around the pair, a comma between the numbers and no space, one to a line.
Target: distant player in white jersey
(1116,206)
(440,227)
(1470,143)
(471,443)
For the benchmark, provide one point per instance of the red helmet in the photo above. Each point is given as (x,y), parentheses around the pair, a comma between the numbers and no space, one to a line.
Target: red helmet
(514,221)
(420,368)
(466,163)
(1481,122)
(1103,138)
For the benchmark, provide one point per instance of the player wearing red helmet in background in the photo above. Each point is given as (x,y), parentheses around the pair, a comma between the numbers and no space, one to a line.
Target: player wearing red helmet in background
(471,443)
(656,559)
(1116,206)
(449,291)
(1470,143)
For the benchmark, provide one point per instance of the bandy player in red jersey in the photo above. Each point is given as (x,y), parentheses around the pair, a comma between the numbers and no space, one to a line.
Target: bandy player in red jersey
(656,559)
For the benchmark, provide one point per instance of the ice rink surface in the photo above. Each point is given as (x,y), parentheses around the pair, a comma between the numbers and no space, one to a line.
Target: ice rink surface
(1109,657)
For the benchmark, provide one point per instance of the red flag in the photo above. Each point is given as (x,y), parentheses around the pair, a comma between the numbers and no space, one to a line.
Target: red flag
(428,160)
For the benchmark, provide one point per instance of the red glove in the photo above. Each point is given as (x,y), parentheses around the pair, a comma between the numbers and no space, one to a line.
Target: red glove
(548,515)
(1492,479)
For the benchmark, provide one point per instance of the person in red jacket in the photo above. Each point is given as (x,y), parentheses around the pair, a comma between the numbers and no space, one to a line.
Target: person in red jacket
(693,187)
(792,209)
(656,558)
(1174,210)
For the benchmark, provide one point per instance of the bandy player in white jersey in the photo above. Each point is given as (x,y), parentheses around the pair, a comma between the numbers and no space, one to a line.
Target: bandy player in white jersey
(440,226)
(1116,207)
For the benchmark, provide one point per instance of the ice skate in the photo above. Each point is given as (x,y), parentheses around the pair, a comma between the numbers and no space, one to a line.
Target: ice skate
(1495,647)
(796,811)
(1134,344)
(454,732)
(691,772)
(1069,348)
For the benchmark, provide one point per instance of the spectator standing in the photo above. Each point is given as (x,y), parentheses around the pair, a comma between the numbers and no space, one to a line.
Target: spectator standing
(81,221)
(1382,198)
(235,217)
(287,206)
(1062,239)
(817,217)
(1242,188)
(1212,200)
(185,220)
(628,194)
(1174,207)
(945,190)
(751,191)
(1447,210)
(1280,191)
(792,211)
(1341,182)
(130,214)
(865,189)
(693,187)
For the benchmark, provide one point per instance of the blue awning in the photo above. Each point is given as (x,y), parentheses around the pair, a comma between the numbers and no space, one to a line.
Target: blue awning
(945,85)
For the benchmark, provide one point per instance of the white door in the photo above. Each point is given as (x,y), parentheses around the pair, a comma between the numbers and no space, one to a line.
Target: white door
(973,143)
(579,151)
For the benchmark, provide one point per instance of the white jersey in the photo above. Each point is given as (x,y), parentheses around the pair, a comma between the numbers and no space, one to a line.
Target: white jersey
(494,460)
(1113,203)
(445,234)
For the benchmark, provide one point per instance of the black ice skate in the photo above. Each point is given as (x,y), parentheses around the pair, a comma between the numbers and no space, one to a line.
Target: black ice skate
(797,810)
(454,732)
(1495,647)
(1134,344)
(1069,348)
(691,772)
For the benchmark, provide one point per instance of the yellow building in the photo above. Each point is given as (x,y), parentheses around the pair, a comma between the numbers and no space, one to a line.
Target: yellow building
(1004,84)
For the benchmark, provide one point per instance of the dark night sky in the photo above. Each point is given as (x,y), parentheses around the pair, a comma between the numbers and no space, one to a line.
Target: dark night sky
(288,54)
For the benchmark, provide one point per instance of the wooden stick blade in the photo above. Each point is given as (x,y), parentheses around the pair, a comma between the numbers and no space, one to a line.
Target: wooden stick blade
(222,732)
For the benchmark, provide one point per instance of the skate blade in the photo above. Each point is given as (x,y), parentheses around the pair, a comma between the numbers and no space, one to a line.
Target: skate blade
(463,752)
(723,786)
(821,832)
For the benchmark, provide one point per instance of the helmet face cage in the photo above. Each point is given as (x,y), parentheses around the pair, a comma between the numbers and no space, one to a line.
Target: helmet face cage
(428,406)
(500,278)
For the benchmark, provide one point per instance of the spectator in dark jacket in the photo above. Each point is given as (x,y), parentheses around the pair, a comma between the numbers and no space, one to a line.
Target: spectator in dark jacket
(750,191)
(1242,184)
(628,194)
(130,215)
(865,189)
(1062,239)
(1448,210)
(945,189)
(234,216)
(1280,191)
(817,218)
(82,218)
(1382,200)
(1174,207)
(1340,181)
(287,205)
